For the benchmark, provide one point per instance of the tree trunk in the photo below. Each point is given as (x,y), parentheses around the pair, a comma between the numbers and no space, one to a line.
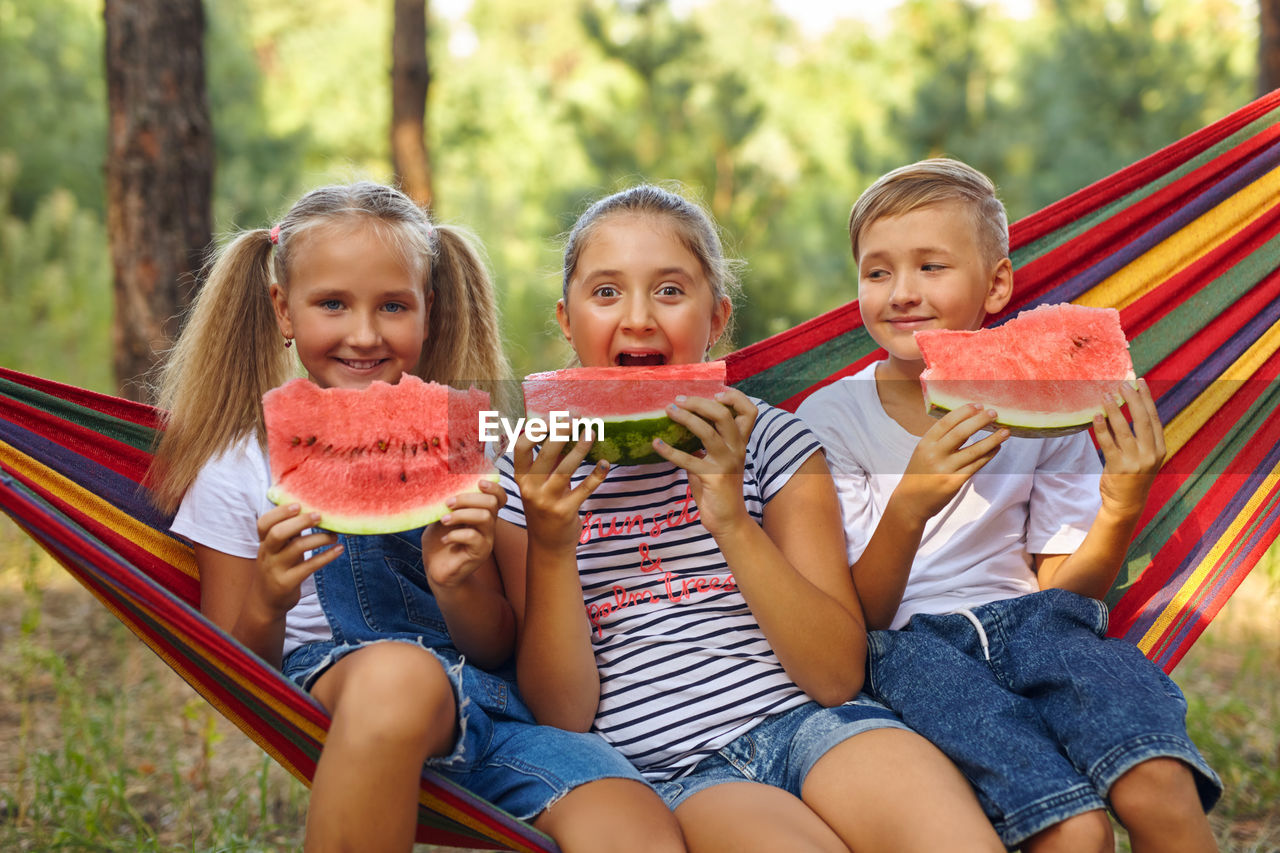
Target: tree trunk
(410,78)
(159,174)
(1268,45)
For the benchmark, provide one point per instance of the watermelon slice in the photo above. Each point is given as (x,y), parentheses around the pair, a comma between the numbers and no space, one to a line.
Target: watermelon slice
(374,460)
(1045,372)
(631,401)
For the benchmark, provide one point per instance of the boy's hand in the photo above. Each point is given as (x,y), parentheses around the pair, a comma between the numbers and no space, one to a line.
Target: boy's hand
(715,472)
(459,543)
(942,464)
(550,504)
(1132,456)
(281,547)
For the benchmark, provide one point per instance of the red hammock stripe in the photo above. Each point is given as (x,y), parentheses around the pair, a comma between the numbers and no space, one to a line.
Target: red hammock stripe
(1208,184)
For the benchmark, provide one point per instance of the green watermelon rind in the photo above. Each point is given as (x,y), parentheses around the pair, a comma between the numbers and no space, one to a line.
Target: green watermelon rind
(375,524)
(628,440)
(1025,424)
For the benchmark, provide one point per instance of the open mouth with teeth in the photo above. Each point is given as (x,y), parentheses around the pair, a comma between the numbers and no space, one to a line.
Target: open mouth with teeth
(640,359)
(362,364)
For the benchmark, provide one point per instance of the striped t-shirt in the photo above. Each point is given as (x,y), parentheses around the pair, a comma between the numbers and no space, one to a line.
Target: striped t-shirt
(684,666)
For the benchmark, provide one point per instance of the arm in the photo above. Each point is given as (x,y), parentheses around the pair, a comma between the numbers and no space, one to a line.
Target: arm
(791,571)
(555,664)
(249,598)
(1132,457)
(937,470)
(462,574)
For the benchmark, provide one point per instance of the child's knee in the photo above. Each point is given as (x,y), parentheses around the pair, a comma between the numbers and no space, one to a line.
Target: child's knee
(1155,789)
(1081,833)
(397,690)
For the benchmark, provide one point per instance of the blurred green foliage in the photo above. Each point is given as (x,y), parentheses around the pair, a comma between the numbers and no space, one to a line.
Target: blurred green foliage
(536,109)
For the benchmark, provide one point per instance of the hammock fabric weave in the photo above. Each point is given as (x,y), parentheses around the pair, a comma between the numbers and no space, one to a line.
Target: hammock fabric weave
(1185,243)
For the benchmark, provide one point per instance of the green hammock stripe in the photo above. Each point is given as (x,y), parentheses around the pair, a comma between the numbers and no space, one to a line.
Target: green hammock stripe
(126,432)
(801,372)
(1201,308)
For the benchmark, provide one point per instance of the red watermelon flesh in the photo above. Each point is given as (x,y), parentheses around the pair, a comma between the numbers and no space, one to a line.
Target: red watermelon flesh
(631,401)
(1045,372)
(378,459)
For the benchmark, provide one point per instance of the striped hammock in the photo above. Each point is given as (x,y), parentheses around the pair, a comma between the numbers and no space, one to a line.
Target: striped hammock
(1185,243)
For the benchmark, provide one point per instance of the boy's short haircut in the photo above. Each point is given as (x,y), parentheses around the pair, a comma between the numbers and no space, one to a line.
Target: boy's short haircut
(932,181)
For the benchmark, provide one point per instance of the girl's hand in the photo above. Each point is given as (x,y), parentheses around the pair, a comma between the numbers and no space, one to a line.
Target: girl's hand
(715,472)
(551,504)
(942,464)
(460,542)
(282,543)
(1132,456)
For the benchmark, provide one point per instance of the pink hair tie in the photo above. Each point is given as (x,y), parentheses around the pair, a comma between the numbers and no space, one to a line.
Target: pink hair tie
(275,235)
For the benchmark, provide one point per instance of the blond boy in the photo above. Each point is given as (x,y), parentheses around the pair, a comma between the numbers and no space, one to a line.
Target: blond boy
(981,559)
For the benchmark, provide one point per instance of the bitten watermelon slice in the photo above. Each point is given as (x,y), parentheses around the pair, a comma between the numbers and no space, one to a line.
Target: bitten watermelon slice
(631,401)
(1045,372)
(378,459)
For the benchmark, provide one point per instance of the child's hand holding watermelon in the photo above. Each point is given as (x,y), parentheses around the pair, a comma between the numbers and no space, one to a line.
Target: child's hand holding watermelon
(283,563)
(550,501)
(455,546)
(1132,455)
(942,463)
(723,425)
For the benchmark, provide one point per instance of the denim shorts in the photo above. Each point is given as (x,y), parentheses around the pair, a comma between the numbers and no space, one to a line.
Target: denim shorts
(1039,710)
(376,592)
(783,749)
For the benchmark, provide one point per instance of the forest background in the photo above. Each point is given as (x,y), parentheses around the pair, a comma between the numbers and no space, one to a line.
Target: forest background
(534,110)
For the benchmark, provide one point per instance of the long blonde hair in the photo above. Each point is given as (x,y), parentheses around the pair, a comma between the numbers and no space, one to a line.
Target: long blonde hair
(231,351)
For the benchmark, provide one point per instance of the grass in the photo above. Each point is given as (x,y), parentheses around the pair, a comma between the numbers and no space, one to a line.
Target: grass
(104,748)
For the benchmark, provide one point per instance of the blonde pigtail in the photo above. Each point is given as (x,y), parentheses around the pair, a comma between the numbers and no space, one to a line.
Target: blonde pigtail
(229,354)
(464,342)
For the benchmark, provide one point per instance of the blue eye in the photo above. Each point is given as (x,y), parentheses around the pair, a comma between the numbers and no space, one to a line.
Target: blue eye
(331,305)
(394,307)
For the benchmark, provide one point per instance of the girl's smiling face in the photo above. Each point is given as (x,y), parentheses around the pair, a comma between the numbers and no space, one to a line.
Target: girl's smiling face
(639,296)
(355,309)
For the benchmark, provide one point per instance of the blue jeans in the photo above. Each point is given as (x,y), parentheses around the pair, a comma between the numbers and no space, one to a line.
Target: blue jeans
(376,591)
(1039,710)
(783,749)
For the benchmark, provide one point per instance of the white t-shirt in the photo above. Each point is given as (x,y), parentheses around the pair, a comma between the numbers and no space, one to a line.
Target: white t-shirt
(1037,496)
(221,510)
(684,666)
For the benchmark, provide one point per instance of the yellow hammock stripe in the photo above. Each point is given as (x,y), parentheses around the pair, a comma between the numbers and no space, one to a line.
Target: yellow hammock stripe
(143,535)
(1191,588)
(1186,246)
(1195,415)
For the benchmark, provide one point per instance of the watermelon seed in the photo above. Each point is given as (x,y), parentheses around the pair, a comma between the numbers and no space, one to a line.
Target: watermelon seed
(311,440)
(295,441)
(435,441)
(404,478)
(382,446)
